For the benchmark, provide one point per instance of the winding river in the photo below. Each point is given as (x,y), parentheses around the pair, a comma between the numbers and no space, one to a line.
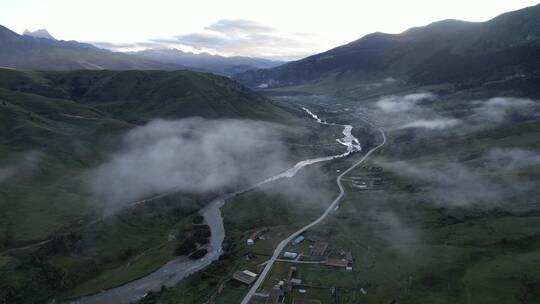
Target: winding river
(179,268)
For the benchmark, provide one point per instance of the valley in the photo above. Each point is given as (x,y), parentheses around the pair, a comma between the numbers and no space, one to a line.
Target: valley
(223,165)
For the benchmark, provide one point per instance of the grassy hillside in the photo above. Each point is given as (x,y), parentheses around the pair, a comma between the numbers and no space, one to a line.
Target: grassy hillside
(140,95)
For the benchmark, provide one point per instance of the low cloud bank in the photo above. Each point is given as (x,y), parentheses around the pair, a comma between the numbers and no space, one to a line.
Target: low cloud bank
(495,110)
(441,123)
(487,181)
(193,155)
(404,112)
(416,111)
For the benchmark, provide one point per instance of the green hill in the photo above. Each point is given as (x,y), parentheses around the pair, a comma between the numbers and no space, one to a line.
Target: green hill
(141,95)
(67,117)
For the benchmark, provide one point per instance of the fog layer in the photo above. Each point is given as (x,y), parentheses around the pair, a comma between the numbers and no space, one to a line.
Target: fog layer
(192,155)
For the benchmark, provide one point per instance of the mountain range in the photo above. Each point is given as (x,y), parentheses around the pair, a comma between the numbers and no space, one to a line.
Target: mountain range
(207,62)
(39,50)
(31,52)
(453,51)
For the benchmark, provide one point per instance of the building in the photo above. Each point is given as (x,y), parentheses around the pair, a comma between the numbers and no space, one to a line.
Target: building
(319,249)
(255,235)
(295,282)
(360,184)
(299,239)
(337,263)
(290,255)
(246,276)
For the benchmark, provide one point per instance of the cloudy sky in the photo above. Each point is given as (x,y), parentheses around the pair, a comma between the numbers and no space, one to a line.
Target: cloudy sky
(281,29)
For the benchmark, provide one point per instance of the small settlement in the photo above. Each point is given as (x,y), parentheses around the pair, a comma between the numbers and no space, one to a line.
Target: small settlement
(291,288)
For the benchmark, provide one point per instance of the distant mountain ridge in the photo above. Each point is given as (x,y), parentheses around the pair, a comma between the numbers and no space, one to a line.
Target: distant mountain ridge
(39,50)
(207,62)
(37,53)
(444,51)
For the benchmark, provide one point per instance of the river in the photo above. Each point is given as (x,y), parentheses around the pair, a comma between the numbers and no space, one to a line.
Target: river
(179,268)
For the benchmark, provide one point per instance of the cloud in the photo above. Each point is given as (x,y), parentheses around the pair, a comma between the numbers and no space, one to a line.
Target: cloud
(416,111)
(512,158)
(441,123)
(495,109)
(250,38)
(394,104)
(192,155)
(28,162)
(397,234)
(487,181)
(411,111)
(407,103)
(233,38)
(132,46)
(448,183)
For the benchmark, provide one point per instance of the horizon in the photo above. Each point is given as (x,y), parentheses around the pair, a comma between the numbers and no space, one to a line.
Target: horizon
(236,28)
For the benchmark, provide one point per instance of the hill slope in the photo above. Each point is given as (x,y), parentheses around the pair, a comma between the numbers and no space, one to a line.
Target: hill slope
(141,95)
(445,51)
(66,118)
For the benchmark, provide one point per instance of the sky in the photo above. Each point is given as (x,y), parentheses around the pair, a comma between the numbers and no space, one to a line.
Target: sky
(276,29)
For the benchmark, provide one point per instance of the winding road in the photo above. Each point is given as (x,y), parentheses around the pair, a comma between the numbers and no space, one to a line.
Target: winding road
(330,208)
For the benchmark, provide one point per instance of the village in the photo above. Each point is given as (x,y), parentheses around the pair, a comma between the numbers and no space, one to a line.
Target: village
(287,283)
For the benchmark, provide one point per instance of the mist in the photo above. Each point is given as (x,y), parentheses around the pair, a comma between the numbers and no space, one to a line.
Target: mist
(485,182)
(411,111)
(416,111)
(494,110)
(441,123)
(27,163)
(193,155)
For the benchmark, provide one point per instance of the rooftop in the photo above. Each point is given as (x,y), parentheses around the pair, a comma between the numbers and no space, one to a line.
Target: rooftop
(246,277)
(337,262)
(319,248)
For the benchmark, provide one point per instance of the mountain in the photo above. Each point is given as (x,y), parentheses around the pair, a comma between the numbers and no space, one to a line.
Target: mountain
(28,52)
(447,51)
(41,33)
(206,62)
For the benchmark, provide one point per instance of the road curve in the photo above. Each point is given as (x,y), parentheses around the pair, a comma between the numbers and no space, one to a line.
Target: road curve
(330,208)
